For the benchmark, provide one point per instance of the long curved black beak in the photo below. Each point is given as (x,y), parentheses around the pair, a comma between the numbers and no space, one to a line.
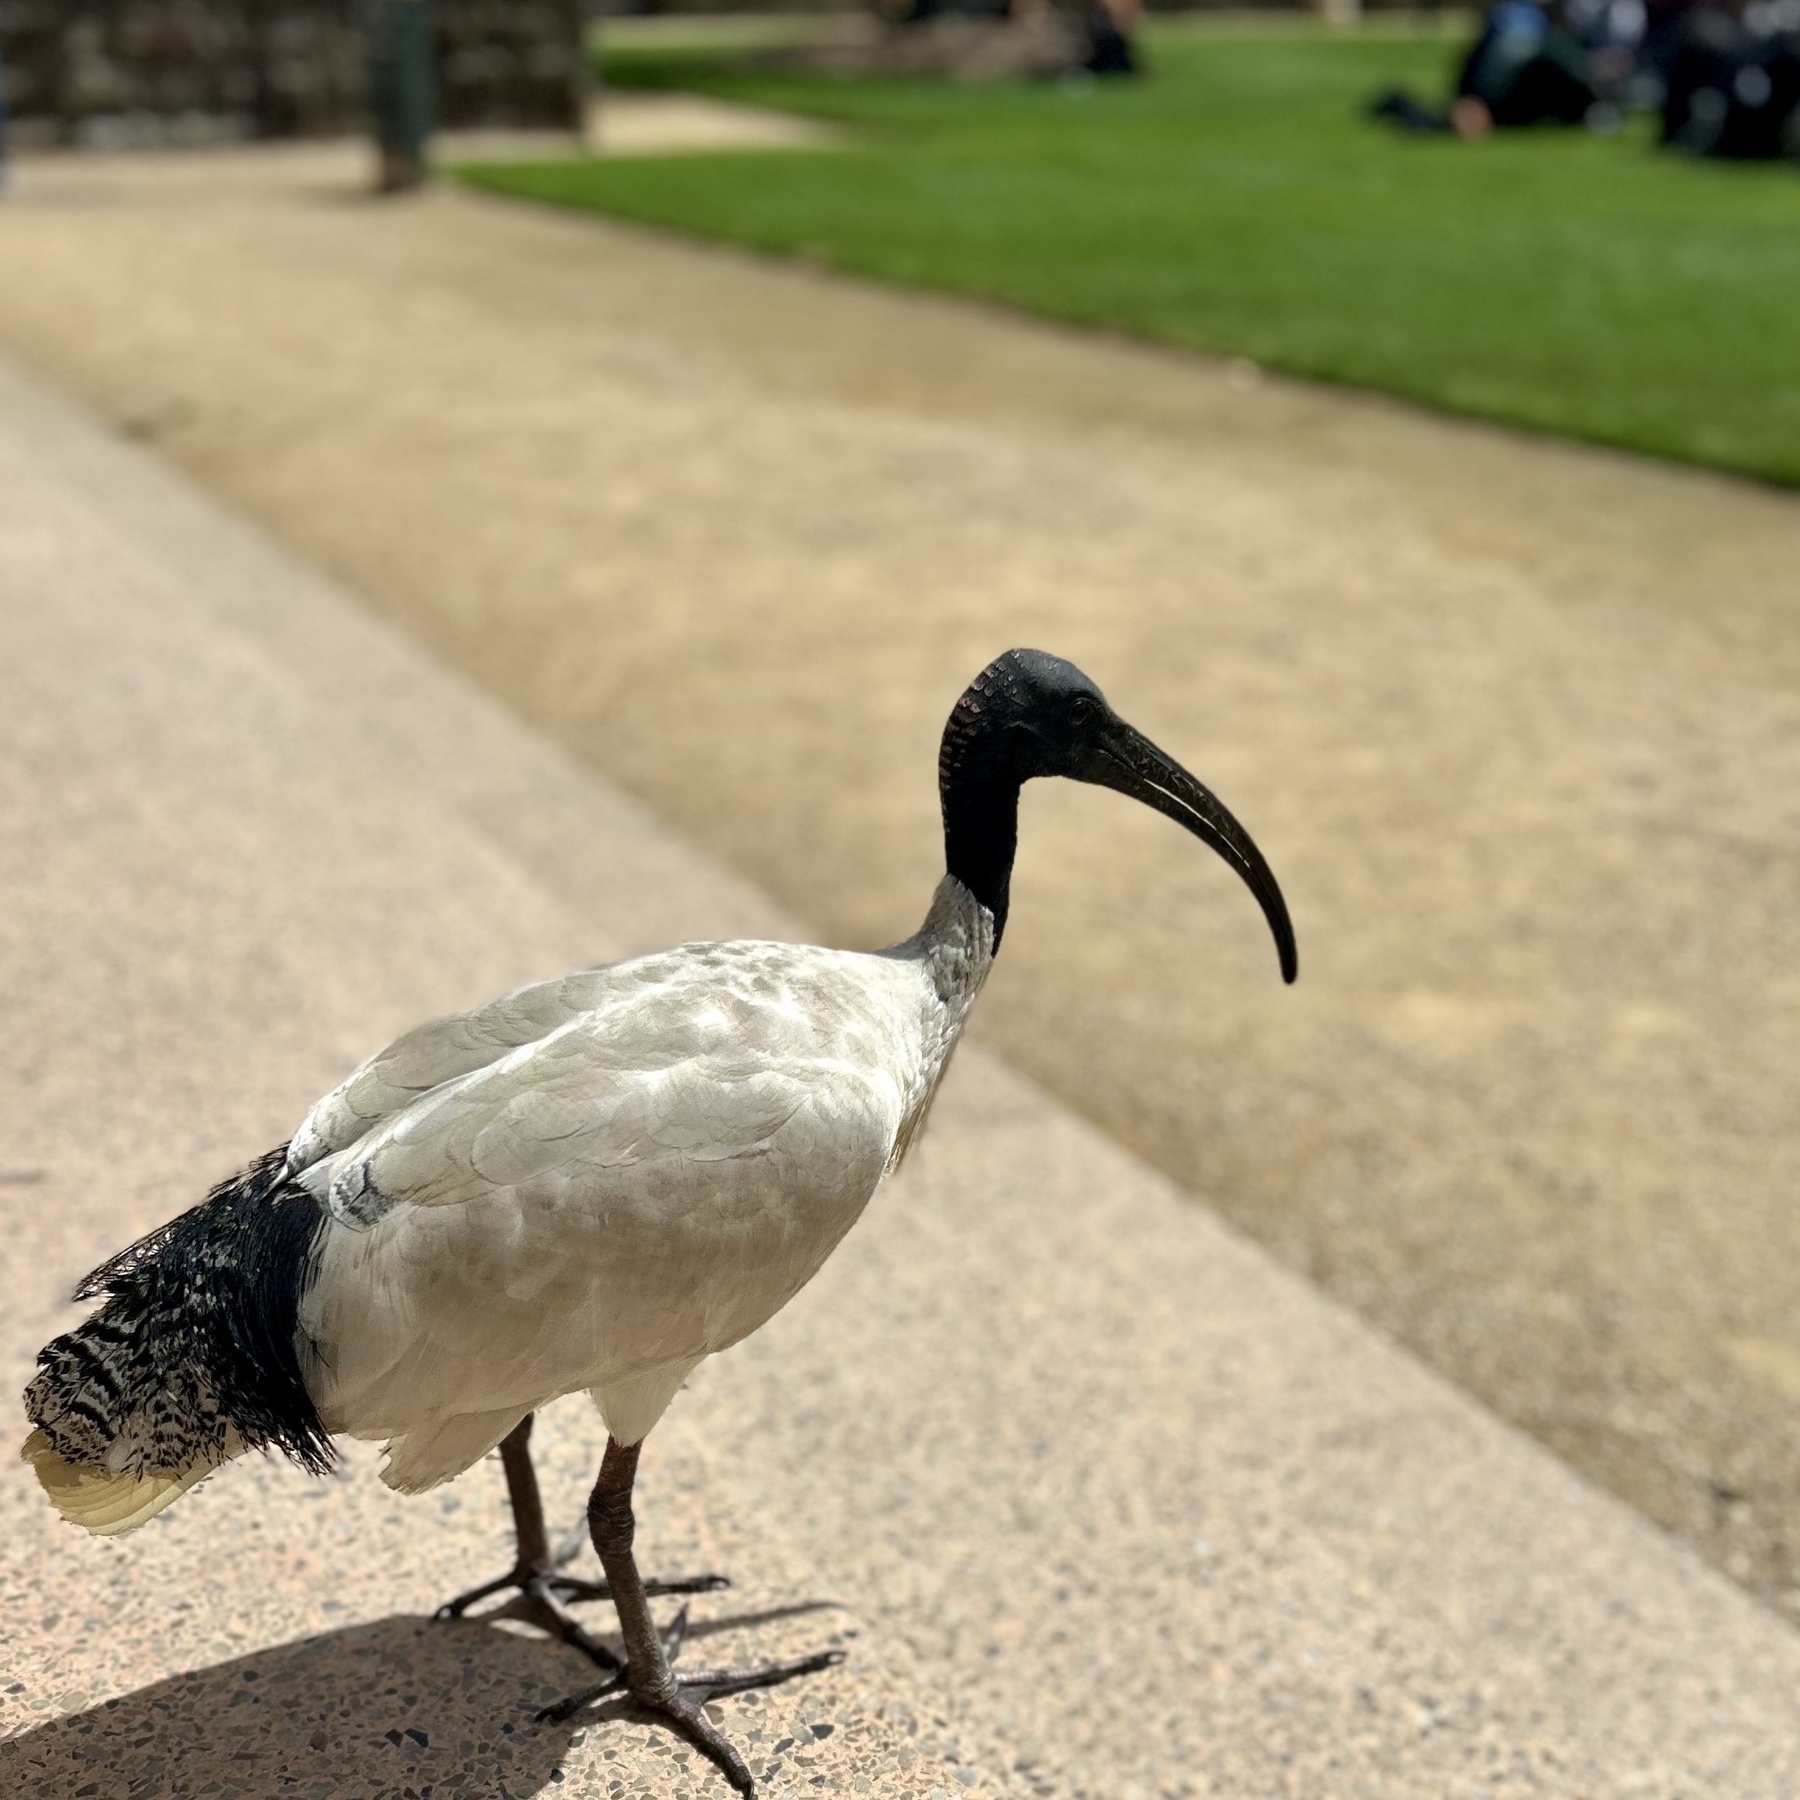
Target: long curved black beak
(1126,761)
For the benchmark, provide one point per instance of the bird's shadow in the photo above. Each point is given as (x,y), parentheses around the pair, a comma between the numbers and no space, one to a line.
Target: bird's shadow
(400,1706)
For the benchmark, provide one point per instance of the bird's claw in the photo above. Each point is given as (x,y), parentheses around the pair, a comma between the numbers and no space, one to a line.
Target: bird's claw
(716,1683)
(719,1682)
(542,1598)
(687,1716)
(574,1590)
(539,1599)
(528,1583)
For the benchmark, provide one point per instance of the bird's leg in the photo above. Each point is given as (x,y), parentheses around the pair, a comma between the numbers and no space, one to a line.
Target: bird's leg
(541,1592)
(648,1675)
(522,1491)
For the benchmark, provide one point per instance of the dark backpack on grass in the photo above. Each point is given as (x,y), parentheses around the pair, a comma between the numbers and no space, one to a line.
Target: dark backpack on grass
(1730,92)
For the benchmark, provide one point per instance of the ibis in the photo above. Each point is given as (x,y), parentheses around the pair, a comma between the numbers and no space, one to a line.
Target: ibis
(591,1184)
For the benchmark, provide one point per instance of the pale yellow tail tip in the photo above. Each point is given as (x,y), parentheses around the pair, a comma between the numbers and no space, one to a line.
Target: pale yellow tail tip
(104,1504)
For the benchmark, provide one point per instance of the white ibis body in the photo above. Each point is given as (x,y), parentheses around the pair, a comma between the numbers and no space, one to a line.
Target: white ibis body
(590,1184)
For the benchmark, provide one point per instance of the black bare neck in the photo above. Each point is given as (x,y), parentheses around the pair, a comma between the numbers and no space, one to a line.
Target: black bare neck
(978,787)
(981,835)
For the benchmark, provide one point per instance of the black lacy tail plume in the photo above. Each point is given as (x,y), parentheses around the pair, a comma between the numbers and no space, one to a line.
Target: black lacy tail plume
(198,1337)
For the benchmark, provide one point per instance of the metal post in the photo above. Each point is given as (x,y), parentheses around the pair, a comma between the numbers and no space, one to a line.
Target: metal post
(584,98)
(3,162)
(402,88)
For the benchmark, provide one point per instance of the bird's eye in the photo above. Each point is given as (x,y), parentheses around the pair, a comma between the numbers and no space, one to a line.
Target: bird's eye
(1081,711)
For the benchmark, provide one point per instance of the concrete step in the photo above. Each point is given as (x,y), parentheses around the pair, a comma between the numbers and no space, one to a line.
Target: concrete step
(1103,1502)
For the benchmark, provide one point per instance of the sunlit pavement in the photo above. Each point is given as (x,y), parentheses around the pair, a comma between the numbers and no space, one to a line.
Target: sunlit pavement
(1104,1503)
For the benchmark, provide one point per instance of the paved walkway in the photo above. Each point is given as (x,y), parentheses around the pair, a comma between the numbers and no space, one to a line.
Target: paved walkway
(1515,722)
(1107,1503)
(626,123)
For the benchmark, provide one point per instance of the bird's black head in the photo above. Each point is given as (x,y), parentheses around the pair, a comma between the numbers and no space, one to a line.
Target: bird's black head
(1029,714)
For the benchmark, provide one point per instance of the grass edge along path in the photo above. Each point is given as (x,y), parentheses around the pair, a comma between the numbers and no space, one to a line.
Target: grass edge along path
(1237,202)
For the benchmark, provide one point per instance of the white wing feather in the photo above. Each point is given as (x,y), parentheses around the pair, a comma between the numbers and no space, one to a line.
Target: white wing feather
(439,1051)
(643,1184)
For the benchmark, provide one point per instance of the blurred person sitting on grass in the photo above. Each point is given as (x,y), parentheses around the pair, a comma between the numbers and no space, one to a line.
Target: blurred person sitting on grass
(1534,66)
(1112,27)
(1069,37)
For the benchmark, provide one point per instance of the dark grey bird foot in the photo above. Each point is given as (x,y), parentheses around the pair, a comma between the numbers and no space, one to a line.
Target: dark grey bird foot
(542,1597)
(680,1706)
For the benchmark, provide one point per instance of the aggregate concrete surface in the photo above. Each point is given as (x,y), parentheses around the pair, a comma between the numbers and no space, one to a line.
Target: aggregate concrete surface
(1101,1500)
(1515,722)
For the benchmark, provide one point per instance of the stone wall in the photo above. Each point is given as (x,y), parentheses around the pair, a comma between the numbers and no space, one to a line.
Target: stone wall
(511,62)
(137,71)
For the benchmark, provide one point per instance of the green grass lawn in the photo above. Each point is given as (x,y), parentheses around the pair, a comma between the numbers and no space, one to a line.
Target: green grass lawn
(1237,200)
